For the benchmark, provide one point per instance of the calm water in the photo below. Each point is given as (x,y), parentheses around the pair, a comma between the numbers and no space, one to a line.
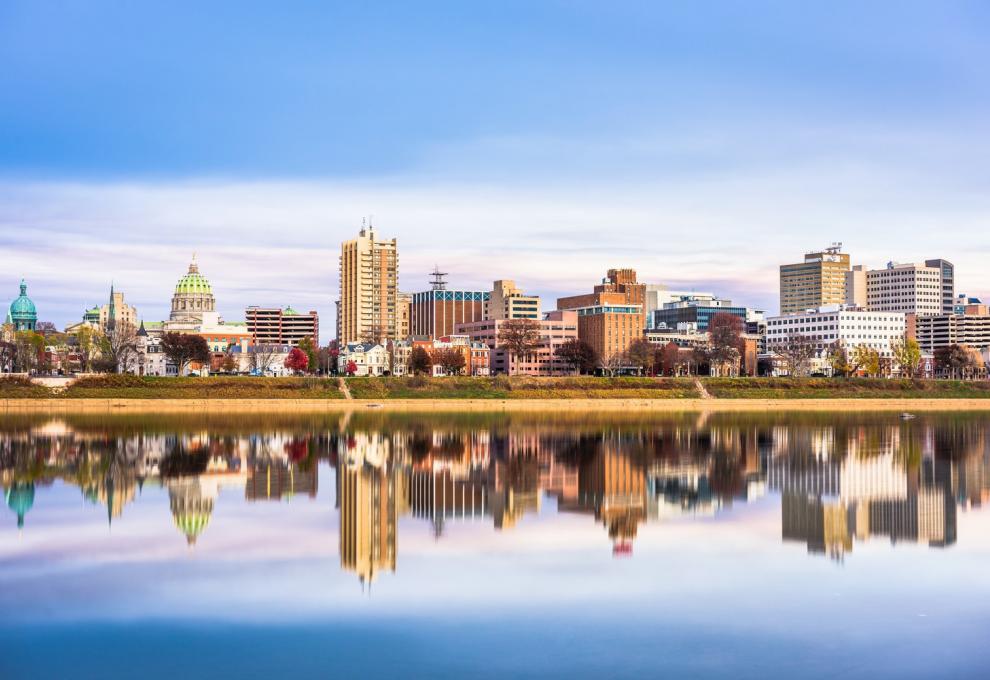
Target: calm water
(496,546)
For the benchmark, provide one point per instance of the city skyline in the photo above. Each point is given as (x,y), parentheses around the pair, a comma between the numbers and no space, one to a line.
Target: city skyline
(159,295)
(601,138)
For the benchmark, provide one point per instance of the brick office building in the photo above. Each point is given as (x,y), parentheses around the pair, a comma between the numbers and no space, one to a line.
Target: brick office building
(612,315)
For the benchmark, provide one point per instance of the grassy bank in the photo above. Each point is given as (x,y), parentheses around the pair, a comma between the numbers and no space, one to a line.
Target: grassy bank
(521,387)
(844,388)
(149,387)
(19,387)
(498,388)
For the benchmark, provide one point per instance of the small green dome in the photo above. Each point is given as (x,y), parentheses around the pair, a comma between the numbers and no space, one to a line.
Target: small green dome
(193,282)
(20,499)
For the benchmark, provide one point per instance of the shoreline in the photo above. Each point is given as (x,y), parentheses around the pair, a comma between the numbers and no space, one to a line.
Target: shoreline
(518,405)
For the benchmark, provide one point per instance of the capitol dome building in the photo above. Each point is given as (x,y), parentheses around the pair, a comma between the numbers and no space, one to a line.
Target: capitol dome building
(23,315)
(192,298)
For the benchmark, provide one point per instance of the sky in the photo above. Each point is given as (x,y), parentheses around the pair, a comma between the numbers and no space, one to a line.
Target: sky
(702,144)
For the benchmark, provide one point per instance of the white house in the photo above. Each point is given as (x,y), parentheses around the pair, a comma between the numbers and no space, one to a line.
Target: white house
(368,359)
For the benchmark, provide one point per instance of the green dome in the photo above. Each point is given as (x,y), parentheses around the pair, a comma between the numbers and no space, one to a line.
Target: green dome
(193,282)
(20,499)
(22,309)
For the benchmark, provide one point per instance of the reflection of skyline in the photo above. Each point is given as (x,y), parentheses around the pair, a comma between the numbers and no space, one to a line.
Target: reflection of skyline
(880,485)
(838,485)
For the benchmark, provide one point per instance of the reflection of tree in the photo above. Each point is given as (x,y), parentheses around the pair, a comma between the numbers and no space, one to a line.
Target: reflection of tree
(182,463)
(726,475)
(451,446)
(420,445)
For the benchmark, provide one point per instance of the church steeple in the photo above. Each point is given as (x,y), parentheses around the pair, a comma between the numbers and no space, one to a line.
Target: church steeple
(112,313)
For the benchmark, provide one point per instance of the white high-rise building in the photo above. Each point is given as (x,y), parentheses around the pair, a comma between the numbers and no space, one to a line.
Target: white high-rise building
(913,288)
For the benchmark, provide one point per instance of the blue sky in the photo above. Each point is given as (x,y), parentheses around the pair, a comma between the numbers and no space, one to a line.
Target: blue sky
(541,141)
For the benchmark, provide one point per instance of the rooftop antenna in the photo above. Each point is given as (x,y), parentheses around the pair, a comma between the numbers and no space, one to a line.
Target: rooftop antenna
(437,279)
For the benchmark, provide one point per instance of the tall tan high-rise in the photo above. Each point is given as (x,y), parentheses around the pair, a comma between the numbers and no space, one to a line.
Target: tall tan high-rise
(369,289)
(819,280)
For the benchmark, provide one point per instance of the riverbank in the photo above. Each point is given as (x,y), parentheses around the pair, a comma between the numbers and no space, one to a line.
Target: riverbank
(215,406)
(460,393)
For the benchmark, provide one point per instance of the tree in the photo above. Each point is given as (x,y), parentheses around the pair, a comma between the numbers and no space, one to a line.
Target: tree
(351,367)
(229,363)
(867,360)
(420,361)
(312,354)
(262,356)
(183,348)
(611,363)
(28,349)
(796,352)
(45,328)
(296,361)
(328,357)
(956,361)
(641,355)
(725,338)
(119,347)
(907,356)
(8,353)
(373,335)
(451,360)
(838,359)
(670,359)
(520,338)
(578,354)
(87,344)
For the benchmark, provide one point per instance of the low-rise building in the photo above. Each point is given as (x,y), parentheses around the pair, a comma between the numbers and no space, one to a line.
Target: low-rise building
(695,308)
(277,326)
(221,335)
(833,324)
(971,328)
(368,359)
(555,329)
(506,301)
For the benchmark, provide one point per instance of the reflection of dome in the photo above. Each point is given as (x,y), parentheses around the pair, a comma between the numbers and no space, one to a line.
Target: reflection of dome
(22,313)
(191,510)
(193,296)
(20,499)
(192,524)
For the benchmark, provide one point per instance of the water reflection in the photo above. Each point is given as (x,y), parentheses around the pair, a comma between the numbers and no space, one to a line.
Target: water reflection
(839,481)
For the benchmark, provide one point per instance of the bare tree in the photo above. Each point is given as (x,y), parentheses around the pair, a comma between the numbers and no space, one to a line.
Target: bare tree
(119,347)
(611,363)
(8,353)
(373,335)
(263,356)
(642,355)
(520,338)
(796,352)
